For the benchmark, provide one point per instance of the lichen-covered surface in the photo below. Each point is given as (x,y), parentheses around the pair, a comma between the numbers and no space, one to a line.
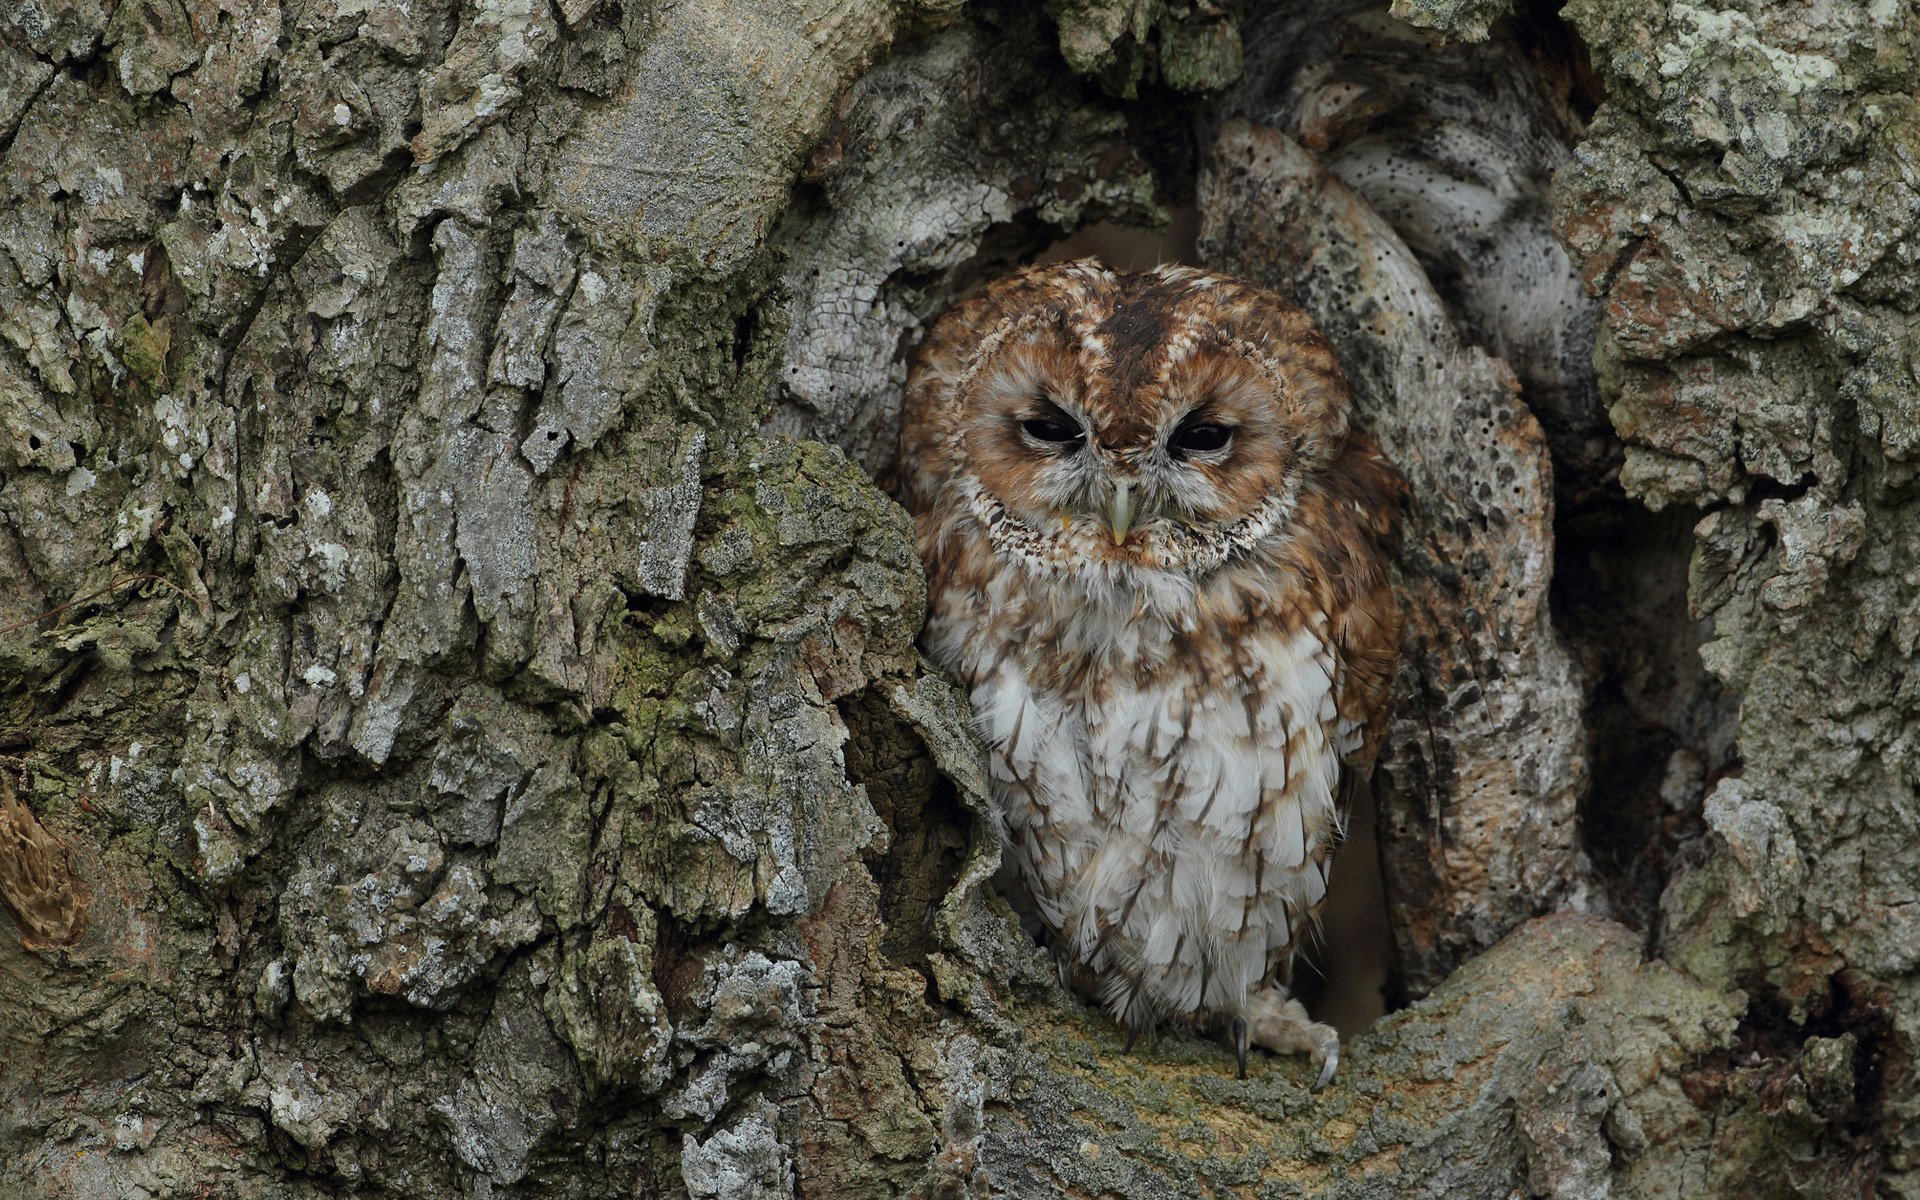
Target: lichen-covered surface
(1190,45)
(1747,206)
(1468,20)
(1522,1075)
(461,727)
(449,794)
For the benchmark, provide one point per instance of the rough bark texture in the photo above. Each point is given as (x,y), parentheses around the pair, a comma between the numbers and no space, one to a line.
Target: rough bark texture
(459,716)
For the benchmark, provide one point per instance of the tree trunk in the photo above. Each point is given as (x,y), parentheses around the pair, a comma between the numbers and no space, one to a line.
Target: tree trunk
(463,734)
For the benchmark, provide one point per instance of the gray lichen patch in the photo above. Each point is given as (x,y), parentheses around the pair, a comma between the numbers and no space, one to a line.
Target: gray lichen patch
(1467,20)
(1192,47)
(746,1159)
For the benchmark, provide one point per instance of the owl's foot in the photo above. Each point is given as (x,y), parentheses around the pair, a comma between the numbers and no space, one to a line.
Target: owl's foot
(1280,1023)
(1238,1028)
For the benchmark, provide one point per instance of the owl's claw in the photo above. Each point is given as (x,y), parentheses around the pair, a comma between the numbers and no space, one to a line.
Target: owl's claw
(1329,1059)
(1279,1023)
(1238,1026)
(1133,1035)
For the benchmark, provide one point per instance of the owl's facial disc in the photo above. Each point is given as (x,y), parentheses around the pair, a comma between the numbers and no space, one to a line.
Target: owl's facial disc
(1067,474)
(1123,430)
(1148,436)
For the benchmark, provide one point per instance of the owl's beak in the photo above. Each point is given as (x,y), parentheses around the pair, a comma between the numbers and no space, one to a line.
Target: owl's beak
(1120,511)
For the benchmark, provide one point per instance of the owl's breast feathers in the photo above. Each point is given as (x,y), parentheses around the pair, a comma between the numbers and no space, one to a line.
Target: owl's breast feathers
(1170,776)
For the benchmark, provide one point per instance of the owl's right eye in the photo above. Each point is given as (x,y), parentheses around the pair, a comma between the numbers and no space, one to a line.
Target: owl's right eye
(1056,431)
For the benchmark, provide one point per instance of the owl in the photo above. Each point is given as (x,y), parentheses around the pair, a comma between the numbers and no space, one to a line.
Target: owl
(1155,559)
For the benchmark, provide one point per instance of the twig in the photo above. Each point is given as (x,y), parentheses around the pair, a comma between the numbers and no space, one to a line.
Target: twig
(115,586)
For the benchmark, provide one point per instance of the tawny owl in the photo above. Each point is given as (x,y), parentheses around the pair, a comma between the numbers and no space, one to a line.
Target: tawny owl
(1154,556)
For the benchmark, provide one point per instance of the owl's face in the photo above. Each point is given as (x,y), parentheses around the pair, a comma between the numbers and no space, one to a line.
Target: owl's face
(1105,420)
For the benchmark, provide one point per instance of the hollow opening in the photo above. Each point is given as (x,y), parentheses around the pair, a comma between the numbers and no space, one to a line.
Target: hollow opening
(1660,728)
(1367,100)
(926,823)
(1132,247)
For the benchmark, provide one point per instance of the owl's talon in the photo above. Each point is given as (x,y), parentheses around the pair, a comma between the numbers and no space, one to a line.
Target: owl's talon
(1133,1034)
(1329,1060)
(1238,1027)
(1279,1023)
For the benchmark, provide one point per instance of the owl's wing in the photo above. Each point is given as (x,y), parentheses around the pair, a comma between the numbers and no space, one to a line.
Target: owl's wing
(1366,495)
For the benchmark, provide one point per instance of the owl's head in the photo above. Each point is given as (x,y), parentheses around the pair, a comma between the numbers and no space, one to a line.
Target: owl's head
(1090,418)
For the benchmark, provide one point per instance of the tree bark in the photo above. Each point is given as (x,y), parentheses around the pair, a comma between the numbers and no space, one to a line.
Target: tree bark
(463,733)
